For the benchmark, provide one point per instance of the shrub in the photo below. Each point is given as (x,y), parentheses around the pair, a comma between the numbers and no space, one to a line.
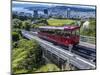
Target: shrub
(15,36)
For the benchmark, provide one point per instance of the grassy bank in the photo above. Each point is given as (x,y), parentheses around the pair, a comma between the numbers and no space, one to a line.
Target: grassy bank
(60,22)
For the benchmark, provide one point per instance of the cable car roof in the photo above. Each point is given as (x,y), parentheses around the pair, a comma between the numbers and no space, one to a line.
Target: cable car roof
(71,28)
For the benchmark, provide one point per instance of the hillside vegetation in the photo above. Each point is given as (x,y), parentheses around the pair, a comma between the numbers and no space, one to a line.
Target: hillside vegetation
(48,68)
(26,57)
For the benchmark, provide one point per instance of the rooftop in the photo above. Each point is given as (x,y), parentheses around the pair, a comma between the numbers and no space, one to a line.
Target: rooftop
(71,28)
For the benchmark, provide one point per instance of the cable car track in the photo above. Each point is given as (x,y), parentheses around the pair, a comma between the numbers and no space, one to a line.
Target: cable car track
(87,53)
(83,51)
(79,56)
(85,48)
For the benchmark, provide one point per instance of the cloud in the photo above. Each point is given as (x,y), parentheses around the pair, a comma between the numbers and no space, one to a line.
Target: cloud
(50,4)
(82,6)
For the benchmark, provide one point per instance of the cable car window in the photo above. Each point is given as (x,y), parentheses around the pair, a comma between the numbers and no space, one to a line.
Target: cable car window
(58,32)
(67,33)
(77,32)
(48,31)
(73,32)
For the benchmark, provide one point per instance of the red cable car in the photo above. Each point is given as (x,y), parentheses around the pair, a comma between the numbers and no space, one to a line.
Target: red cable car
(65,35)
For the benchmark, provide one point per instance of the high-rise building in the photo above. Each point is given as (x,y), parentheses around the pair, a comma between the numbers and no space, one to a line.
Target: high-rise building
(35,13)
(68,13)
(45,11)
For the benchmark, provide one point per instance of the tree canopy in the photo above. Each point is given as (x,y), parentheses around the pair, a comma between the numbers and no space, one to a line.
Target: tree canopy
(27,25)
(26,56)
(16,23)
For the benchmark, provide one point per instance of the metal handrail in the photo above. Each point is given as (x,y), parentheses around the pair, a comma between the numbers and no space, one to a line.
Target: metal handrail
(88,39)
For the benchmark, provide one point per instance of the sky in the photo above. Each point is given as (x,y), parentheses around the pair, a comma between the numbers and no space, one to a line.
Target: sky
(19,6)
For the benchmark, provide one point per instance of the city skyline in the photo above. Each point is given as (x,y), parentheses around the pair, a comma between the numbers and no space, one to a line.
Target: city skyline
(23,5)
(37,9)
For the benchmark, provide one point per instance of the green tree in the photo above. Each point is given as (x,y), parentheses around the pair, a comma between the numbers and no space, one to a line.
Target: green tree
(34,25)
(15,36)
(27,25)
(26,57)
(16,23)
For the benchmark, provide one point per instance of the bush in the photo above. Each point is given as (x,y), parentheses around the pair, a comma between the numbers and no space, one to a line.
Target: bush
(48,67)
(15,36)
(91,31)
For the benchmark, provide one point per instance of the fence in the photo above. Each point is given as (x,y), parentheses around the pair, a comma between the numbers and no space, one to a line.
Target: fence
(88,39)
